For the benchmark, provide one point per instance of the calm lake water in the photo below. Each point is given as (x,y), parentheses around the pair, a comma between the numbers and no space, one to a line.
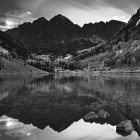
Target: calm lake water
(54,107)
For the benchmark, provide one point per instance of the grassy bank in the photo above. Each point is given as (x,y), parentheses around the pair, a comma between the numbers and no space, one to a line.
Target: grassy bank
(14,66)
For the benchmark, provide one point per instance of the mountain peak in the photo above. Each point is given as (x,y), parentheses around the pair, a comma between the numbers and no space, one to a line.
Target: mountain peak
(59,18)
(112,21)
(138,11)
(134,19)
(43,36)
(41,19)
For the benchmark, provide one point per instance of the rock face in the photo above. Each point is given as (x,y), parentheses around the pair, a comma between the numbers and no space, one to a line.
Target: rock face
(60,36)
(101,114)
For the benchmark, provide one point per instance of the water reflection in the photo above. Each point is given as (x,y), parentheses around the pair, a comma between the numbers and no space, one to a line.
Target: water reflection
(57,101)
(13,129)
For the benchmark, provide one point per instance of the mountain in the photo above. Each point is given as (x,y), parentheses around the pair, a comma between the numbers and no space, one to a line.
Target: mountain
(124,48)
(60,36)
(13,55)
(102,29)
(122,51)
(14,47)
(43,36)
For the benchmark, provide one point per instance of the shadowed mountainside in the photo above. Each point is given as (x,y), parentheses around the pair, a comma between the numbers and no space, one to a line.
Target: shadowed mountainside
(60,36)
(14,47)
(123,50)
(13,55)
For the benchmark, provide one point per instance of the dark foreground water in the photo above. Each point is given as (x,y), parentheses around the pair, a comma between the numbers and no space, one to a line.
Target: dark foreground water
(54,107)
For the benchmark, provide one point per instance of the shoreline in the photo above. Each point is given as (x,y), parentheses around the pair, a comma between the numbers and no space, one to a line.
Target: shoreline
(121,71)
(24,73)
(118,71)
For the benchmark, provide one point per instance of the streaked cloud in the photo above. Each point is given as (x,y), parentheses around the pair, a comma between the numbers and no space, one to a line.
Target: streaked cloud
(79,11)
(82,11)
(121,18)
(14,128)
(14,18)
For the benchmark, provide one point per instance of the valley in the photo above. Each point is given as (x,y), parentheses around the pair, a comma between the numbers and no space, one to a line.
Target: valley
(58,45)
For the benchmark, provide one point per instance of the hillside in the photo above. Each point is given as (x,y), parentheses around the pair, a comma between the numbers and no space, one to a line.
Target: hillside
(124,48)
(13,56)
(102,29)
(15,48)
(60,36)
(8,65)
(122,51)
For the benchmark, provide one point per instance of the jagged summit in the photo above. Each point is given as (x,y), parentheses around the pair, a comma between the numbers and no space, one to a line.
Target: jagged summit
(124,47)
(41,19)
(59,16)
(135,17)
(60,19)
(131,30)
(48,36)
(102,29)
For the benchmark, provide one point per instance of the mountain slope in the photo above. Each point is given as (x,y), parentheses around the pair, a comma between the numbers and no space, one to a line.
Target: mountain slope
(13,56)
(122,51)
(46,36)
(102,29)
(60,36)
(14,47)
(11,65)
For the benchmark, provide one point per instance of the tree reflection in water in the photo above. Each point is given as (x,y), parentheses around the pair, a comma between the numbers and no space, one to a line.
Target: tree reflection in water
(59,100)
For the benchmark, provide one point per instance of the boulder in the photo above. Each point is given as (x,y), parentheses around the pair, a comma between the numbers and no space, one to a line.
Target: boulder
(136,125)
(91,115)
(136,122)
(125,127)
(103,114)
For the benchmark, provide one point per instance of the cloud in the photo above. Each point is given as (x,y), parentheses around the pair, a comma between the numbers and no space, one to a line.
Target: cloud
(33,5)
(92,9)
(8,5)
(14,18)
(121,18)
(14,128)
(88,8)
(2,23)
(19,16)
(127,6)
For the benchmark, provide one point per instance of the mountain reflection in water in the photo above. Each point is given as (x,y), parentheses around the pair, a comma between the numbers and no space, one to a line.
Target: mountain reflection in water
(14,130)
(60,102)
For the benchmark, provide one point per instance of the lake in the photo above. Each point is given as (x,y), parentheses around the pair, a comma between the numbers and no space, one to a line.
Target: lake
(54,107)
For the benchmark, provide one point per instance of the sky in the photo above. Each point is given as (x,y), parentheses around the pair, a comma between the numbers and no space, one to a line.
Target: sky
(15,12)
